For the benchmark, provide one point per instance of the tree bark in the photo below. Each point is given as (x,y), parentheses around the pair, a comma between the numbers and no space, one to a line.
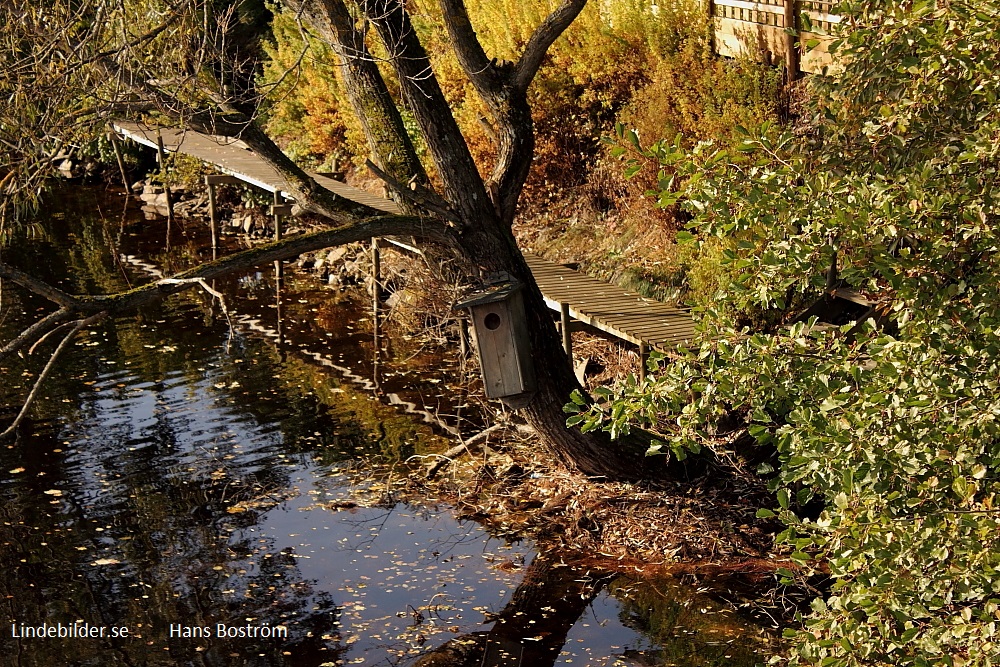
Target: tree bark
(486,210)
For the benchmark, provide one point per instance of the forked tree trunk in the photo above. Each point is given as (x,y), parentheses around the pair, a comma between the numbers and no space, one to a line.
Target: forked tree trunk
(483,210)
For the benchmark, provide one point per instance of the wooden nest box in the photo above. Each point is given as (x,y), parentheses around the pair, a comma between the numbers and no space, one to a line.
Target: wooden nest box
(501,337)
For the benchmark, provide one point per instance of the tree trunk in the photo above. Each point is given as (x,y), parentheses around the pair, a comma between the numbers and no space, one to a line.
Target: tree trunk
(485,211)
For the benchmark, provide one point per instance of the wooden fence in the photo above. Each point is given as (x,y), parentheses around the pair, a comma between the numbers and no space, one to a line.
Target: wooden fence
(761,30)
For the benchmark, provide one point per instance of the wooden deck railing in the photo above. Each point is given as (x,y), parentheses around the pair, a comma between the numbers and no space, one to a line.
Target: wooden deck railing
(761,30)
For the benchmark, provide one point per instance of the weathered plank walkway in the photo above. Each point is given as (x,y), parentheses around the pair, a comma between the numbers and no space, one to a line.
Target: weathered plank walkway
(598,304)
(610,308)
(233,157)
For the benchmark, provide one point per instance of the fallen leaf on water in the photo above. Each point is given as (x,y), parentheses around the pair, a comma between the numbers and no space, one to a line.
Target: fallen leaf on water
(106,561)
(54,492)
(15,471)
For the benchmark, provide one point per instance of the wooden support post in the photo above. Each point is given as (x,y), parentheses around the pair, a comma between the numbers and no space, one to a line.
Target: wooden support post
(643,356)
(566,336)
(277,215)
(212,217)
(376,270)
(376,317)
(710,6)
(791,40)
(831,274)
(212,180)
(113,137)
(161,158)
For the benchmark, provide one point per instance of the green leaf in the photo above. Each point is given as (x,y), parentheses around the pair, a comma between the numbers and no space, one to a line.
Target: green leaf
(783,498)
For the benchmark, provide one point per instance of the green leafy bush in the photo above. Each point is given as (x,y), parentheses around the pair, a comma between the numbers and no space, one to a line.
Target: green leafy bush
(898,434)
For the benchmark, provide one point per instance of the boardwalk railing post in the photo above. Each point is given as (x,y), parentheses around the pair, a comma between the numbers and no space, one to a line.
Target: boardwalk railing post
(643,356)
(564,325)
(277,215)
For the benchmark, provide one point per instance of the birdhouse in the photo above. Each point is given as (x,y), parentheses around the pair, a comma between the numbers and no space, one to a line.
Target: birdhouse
(501,336)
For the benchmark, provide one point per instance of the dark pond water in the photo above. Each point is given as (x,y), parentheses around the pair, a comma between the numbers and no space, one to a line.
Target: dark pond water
(185,469)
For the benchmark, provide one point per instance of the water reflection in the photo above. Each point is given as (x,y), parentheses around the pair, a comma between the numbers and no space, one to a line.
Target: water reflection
(186,469)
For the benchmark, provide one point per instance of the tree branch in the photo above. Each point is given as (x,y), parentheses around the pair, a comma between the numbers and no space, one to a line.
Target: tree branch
(463,187)
(426,229)
(471,56)
(543,37)
(37,330)
(417,195)
(39,287)
(374,107)
(80,324)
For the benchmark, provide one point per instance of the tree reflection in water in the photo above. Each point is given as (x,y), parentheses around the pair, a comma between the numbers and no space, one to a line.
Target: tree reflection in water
(532,627)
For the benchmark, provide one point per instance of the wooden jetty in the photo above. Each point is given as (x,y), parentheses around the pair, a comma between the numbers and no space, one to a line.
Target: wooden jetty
(233,157)
(575,296)
(609,308)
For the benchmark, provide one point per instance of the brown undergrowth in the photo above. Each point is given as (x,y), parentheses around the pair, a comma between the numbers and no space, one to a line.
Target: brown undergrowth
(516,489)
(703,531)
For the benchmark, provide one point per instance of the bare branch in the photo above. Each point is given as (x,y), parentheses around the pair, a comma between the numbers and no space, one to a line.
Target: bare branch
(426,229)
(543,37)
(40,328)
(53,294)
(417,195)
(145,38)
(80,324)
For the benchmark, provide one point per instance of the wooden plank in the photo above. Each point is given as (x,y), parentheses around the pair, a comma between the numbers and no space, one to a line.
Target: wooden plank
(221,179)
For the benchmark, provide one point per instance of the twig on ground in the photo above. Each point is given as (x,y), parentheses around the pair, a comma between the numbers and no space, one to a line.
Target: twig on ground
(463,447)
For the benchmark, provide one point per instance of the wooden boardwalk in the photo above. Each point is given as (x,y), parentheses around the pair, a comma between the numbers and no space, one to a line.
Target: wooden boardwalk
(598,304)
(233,157)
(610,308)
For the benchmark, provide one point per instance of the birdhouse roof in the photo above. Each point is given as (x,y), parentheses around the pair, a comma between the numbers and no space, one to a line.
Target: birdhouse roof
(490,294)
